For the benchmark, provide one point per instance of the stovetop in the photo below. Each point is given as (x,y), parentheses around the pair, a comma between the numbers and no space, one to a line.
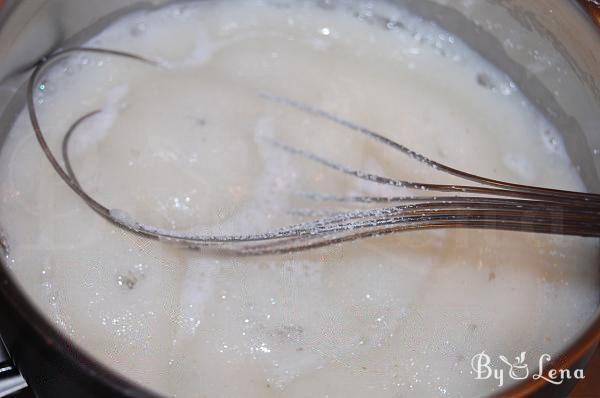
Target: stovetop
(10,379)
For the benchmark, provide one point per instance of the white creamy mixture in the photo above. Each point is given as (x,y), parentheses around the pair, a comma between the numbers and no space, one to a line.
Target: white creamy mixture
(186,146)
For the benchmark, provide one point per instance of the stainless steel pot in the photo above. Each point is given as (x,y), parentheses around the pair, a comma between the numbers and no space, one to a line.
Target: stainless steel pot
(550,48)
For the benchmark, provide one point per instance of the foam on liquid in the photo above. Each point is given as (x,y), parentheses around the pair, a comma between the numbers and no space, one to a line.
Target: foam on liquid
(185,147)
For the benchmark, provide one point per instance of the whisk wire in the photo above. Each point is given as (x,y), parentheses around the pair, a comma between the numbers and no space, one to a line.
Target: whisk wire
(507,206)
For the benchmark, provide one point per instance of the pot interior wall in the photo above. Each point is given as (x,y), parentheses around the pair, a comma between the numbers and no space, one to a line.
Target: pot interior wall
(549,49)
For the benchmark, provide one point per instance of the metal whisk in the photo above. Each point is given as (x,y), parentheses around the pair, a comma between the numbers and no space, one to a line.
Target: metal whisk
(491,204)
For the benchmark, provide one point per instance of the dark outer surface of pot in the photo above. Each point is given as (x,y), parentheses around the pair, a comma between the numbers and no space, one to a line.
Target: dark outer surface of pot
(590,386)
(566,387)
(51,365)
(54,367)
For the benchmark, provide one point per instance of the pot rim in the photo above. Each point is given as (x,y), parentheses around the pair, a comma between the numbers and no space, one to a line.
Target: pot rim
(57,342)
(54,340)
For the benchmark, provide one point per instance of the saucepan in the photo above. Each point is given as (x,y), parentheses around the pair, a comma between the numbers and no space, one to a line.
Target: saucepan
(546,47)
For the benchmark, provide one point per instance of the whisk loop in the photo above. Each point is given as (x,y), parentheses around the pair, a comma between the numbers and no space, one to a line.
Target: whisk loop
(494,204)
